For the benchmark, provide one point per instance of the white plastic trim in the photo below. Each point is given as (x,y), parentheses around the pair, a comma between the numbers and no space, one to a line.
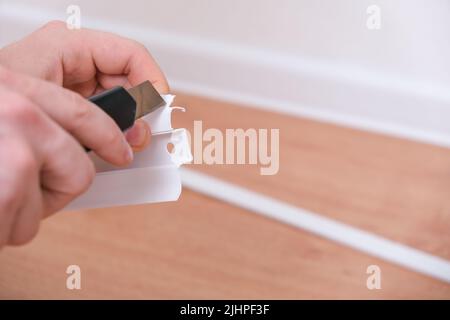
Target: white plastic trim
(152,177)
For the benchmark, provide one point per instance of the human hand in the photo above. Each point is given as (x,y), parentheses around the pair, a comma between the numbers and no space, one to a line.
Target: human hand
(87,62)
(43,165)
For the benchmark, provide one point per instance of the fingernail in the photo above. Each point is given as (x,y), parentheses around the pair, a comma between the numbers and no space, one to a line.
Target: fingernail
(137,135)
(129,154)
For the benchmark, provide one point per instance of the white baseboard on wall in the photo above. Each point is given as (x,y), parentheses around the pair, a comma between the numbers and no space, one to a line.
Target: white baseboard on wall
(298,86)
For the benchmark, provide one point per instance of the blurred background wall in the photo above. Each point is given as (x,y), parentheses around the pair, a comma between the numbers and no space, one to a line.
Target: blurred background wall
(314,58)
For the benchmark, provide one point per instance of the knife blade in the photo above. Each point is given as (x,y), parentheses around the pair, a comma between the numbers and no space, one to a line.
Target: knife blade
(146,97)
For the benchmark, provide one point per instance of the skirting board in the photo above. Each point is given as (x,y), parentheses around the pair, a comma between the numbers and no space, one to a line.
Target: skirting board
(317,224)
(299,86)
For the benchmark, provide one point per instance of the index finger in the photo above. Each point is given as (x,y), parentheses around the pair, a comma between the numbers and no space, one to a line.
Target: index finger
(114,56)
(90,125)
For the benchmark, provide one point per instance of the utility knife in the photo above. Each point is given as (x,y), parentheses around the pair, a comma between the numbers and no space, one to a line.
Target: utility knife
(124,106)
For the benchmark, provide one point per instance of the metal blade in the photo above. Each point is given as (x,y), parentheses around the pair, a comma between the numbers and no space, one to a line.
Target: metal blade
(146,97)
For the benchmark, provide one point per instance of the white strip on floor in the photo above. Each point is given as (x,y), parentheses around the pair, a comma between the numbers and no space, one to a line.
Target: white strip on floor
(355,238)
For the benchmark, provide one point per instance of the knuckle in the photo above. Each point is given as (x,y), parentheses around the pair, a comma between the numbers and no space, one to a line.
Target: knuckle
(82,179)
(25,167)
(25,163)
(138,45)
(21,110)
(27,115)
(82,110)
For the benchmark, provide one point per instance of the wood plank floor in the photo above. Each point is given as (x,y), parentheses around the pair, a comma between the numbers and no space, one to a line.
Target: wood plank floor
(201,248)
(394,187)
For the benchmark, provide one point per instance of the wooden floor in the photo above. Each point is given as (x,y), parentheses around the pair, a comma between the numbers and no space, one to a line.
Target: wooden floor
(199,247)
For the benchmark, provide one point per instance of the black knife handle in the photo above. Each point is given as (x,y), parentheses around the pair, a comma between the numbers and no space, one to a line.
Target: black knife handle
(118,104)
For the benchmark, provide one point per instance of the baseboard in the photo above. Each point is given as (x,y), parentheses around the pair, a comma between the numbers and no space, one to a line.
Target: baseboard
(299,86)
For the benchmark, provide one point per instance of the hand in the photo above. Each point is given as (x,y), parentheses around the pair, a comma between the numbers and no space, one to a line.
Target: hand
(43,165)
(87,62)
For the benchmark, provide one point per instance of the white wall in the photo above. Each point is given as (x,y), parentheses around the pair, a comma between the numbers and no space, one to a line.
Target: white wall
(315,58)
